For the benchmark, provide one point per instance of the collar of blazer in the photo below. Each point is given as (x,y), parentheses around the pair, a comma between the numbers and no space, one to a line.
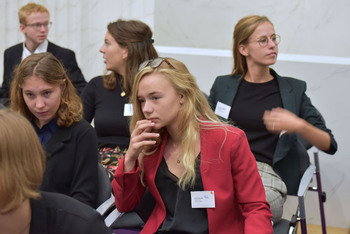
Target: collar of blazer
(58,140)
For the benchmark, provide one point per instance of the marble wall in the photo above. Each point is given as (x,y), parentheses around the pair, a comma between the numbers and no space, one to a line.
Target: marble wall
(314,48)
(78,25)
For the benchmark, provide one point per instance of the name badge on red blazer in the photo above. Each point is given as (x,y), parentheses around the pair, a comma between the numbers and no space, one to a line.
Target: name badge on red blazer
(202,199)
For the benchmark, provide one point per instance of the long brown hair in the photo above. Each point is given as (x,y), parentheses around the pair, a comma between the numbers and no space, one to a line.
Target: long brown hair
(49,68)
(136,36)
(241,34)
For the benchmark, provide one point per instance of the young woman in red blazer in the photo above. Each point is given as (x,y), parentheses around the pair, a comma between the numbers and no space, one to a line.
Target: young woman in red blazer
(200,171)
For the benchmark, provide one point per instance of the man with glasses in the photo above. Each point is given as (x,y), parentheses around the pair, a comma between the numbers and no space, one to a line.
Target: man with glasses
(35,23)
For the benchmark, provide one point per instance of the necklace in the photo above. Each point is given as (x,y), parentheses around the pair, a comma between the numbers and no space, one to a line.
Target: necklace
(122,94)
(175,150)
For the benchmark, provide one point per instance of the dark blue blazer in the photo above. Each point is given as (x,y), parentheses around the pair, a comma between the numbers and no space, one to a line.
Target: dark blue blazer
(287,161)
(71,166)
(13,55)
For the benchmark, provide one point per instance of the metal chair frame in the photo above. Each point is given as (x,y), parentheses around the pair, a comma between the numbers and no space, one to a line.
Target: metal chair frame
(313,171)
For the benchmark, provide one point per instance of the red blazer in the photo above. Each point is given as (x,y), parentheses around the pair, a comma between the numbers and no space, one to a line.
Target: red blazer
(227,167)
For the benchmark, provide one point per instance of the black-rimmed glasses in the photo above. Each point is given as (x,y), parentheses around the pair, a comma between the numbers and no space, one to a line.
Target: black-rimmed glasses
(37,26)
(154,63)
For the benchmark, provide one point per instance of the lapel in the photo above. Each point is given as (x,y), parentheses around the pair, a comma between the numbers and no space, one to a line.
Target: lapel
(51,47)
(230,89)
(14,58)
(55,50)
(287,94)
(288,101)
(18,51)
(204,166)
(58,140)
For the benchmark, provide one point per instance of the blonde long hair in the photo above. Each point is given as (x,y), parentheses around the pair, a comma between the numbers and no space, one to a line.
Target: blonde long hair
(22,160)
(194,112)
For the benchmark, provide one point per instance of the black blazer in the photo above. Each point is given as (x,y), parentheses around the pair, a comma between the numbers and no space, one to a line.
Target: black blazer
(285,160)
(55,213)
(71,167)
(13,56)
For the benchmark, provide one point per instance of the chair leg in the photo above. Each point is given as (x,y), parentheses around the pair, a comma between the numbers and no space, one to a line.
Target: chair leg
(303,226)
(293,224)
(321,197)
(302,214)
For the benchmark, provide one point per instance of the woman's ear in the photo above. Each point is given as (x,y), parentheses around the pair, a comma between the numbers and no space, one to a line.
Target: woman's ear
(243,50)
(182,99)
(125,53)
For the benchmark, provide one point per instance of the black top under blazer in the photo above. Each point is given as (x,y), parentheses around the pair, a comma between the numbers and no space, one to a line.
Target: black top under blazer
(285,159)
(13,56)
(71,167)
(55,213)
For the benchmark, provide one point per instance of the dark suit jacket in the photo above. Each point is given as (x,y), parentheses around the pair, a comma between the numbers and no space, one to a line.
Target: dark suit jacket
(57,214)
(72,163)
(13,56)
(285,160)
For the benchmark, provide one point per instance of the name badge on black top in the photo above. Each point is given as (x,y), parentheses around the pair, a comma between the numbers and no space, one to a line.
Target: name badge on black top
(128,111)
(202,199)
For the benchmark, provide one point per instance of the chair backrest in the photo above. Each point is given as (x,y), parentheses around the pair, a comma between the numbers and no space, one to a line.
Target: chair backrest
(139,215)
(292,168)
(104,189)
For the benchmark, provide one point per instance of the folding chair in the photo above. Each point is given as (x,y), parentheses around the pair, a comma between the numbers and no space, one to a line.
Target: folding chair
(128,222)
(313,171)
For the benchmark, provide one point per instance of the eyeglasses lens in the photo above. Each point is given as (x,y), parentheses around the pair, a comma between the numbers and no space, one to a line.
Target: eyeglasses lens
(156,62)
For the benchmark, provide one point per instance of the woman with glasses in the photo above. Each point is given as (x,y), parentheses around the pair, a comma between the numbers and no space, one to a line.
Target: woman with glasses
(200,171)
(271,109)
(105,98)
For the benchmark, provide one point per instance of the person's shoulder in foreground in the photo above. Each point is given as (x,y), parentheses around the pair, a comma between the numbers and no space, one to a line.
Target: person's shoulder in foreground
(57,213)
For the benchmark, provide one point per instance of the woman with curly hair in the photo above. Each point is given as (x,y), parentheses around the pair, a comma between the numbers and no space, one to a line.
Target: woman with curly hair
(42,92)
